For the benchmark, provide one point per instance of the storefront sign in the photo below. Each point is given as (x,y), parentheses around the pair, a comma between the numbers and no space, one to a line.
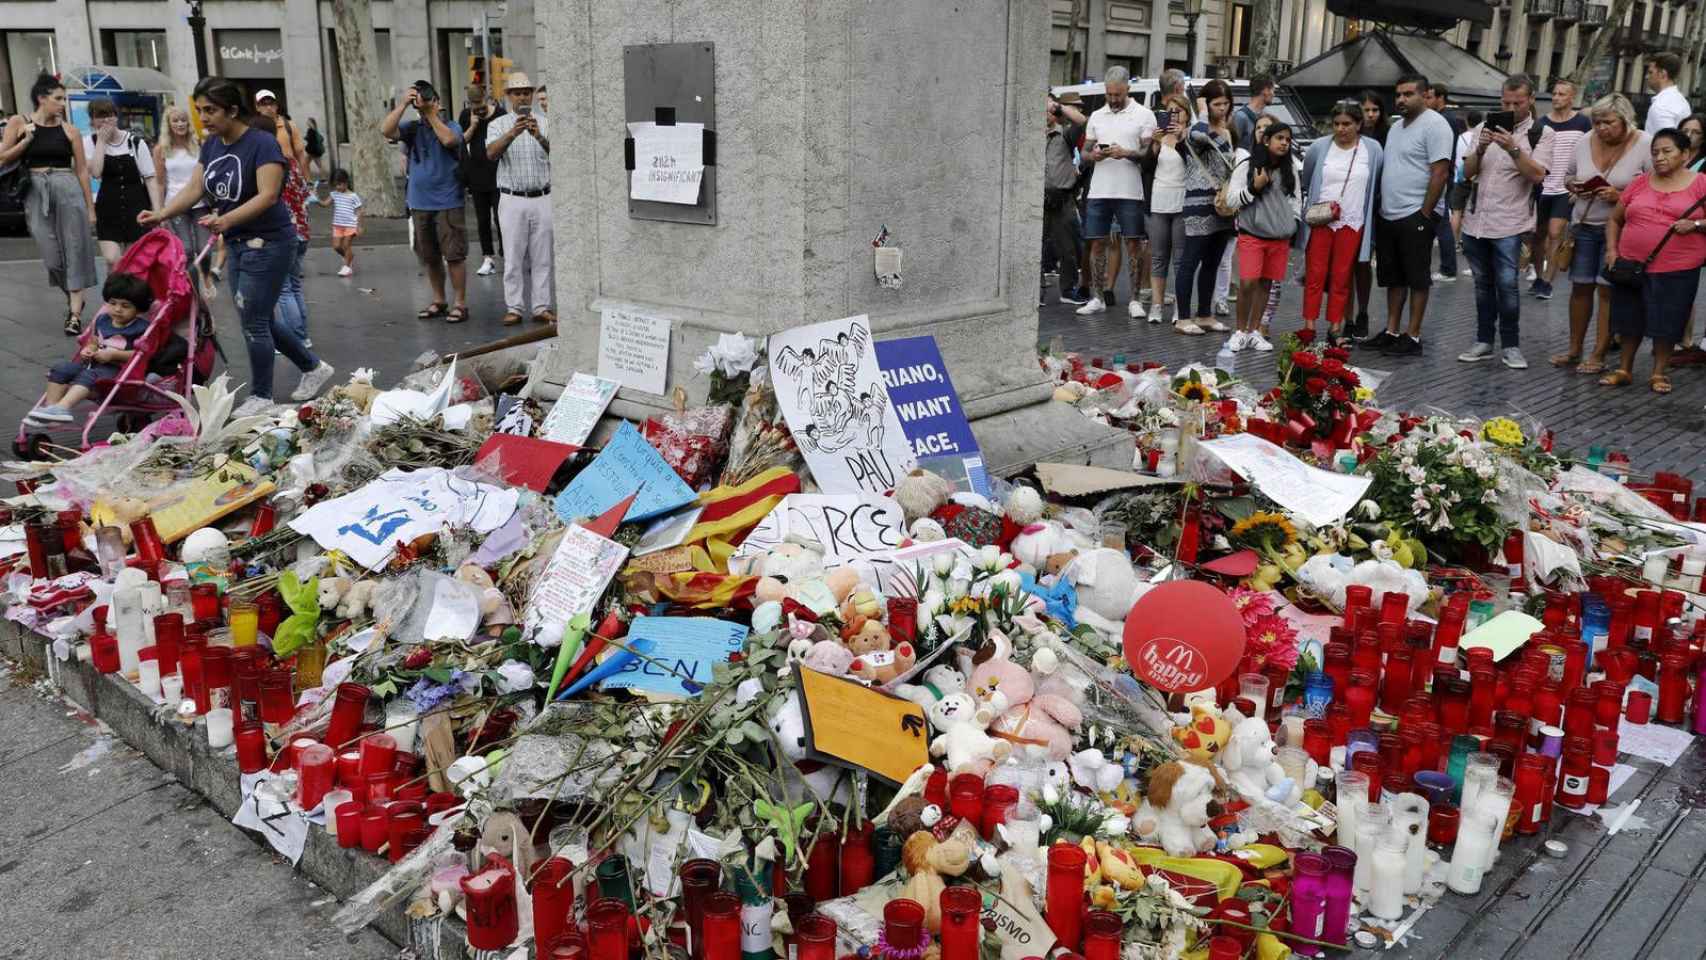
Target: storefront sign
(248,54)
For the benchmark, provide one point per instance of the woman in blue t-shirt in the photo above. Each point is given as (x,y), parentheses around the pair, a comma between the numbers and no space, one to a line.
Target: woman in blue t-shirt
(240,173)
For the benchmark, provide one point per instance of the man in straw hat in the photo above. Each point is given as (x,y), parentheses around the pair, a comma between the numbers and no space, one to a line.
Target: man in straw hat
(519,142)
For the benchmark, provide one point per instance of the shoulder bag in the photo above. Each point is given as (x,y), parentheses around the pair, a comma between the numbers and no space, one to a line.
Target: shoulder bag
(1629,272)
(1322,212)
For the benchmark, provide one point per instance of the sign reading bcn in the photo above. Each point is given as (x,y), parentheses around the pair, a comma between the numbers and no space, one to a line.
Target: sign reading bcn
(1184,635)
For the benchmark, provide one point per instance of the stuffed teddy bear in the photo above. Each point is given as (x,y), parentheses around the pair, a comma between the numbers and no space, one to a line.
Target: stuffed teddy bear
(1177,800)
(962,735)
(827,656)
(1205,732)
(1107,587)
(788,723)
(787,565)
(937,682)
(1039,713)
(1248,760)
(920,493)
(1023,506)
(495,609)
(927,861)
(332,591)
(358,600)
(882,666)
(1036,542)
(1092,770)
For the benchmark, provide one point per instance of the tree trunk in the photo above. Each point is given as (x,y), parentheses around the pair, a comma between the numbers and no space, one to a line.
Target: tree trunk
(1264,36)
(1072,76)
(1588,61)
(370,157)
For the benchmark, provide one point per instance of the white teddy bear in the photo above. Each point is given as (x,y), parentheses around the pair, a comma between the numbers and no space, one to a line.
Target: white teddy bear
(964,739)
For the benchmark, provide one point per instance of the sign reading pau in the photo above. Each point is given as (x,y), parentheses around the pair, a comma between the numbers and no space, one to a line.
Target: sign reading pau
(1184,635)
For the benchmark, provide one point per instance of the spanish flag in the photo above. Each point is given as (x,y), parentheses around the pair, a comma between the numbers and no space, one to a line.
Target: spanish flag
(729,515)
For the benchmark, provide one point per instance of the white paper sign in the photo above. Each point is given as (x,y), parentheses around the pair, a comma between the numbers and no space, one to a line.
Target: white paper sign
(831,392)
(576,412)
(278,820)
(669,162)
(1319,496)
(633,349)
(572,582)
(846,525)
(401,505)
(1650,741)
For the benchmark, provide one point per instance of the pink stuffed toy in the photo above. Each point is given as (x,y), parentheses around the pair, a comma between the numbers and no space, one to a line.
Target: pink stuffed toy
(1034,713)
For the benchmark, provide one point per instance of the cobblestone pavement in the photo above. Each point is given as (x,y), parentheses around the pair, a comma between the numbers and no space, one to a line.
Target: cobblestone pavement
(1658,432)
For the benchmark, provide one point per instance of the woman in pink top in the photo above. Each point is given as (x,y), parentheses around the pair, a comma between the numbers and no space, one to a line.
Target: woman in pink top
(1667,202)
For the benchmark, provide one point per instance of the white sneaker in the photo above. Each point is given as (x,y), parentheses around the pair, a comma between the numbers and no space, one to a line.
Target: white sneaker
(1094,306)
(312,381)
(345,271)
(1255,341)
(1134,309)
(486,268)
(1530,275)
(254,406)
(1236,342)
(1155,315)
(1222,308)
(1443,277)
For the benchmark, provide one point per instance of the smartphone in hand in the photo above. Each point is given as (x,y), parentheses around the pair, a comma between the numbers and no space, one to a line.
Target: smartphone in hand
(1502,120)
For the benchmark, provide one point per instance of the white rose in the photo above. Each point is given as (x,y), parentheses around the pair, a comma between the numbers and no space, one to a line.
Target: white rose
(941,563)
(513,676)
(989,558)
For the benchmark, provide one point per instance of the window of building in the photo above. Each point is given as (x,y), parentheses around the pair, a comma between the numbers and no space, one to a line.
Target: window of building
(1132,65)
(339,121)
(1060,72)
(135,48)
(28,53)
(1238,35)
(456,48)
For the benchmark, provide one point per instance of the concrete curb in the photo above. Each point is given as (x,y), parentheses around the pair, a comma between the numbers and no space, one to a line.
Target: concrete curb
(183,752)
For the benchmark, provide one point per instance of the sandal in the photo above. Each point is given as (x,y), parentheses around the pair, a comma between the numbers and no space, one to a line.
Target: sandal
(1215,326)
(1590,366)
(545,316)
(1566,359)
(457,314)
(433,311)
(1616,378)
(1190,329)
(511,318)
(1659,382)
(73,324)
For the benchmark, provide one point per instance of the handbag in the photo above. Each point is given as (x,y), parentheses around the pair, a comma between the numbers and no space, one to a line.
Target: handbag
(1227,201)
(1629,272)
(14,184)
(1322,212)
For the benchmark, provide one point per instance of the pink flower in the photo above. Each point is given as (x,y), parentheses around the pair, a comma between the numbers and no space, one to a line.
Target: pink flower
(1253,605)
(1272,640)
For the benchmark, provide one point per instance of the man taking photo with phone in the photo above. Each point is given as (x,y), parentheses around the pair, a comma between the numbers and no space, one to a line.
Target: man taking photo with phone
(520,143)
(434,196)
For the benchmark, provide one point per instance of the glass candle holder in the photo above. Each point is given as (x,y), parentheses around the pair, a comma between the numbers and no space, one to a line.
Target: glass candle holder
(148,672)
(814,936)
(204,601)
(244,620)
(378,753)
(315,768)
(110,550)
(402,819)
(251,747)
(373,827)
(148,545)
(999,800)
(1352,793)
(348,816)
(823,874)
(962,924)
(965,798)
(858,863)
(347,714)
(172,689)
(1254,686)
(553,898)
(700,878)
(1065,896)
(721,927)
(278,700)
(219,728)
(1308,901)
(903,926)
(168,640)
(489,898)
(1103,932)
(1336,913)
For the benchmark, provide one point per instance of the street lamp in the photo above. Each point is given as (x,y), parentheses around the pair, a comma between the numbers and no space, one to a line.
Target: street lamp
(198,30)
(1193,10)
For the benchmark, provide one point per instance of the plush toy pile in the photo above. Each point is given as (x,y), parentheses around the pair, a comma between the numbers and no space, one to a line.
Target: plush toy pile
(726,729)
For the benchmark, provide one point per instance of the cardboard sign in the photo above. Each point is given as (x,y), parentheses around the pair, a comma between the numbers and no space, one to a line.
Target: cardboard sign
(831,392)
(669,161)
(683,652)
(1082,480)
(1184,635)
(576,412)
(523,461)
(930,413)
(1319,496)
(1021,930)
(633,349)
(853,725)
(203,501)
(627,465)
(846,525)
(573,581)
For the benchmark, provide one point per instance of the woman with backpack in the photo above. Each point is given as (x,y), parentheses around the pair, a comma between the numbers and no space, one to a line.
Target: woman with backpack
(315,145)
(48,151)
(1207,169)
(124,164)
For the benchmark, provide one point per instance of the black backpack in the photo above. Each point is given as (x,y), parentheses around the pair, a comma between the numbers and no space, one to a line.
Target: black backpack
(314,143)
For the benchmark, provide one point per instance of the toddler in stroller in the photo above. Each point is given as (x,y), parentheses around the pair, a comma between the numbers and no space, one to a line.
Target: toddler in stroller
(118,331)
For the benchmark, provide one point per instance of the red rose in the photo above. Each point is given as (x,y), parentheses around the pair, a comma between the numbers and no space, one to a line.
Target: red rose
(417,658)
(1332,367)
(1338,353)
(1338,394)
(1314,386)
(1306,360)
(1349,378)
(1306,336)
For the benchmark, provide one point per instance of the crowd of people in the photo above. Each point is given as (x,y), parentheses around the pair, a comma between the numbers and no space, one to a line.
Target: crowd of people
(1613,203)
(237,195)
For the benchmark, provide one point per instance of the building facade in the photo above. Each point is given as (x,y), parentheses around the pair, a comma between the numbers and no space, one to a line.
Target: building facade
(287,46)
(1545,38)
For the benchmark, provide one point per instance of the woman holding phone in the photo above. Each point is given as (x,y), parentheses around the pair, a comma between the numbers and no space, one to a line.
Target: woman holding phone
(1596,173)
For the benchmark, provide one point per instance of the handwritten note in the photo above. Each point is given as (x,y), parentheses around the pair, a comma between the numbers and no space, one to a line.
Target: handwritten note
(669,162)
(626,465)
(1021,930)
(683,651)
(1649,741)
(846,525)
(572,582)
(576,412)
(852,724)
(633,349)
(1319,496)
(831,392)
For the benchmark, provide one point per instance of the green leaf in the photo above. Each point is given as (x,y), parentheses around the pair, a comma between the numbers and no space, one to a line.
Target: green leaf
(735,737)
(437,674)
(298,596)
(753,731)
(295,631)
(384,688)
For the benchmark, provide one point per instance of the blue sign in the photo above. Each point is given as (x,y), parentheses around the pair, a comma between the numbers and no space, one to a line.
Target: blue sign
(930,413)
(681,652)
(627,464)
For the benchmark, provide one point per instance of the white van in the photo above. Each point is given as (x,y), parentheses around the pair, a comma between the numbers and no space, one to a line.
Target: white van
(1285,106)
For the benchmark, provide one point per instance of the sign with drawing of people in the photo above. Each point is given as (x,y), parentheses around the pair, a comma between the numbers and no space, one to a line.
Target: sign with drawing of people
(831,392)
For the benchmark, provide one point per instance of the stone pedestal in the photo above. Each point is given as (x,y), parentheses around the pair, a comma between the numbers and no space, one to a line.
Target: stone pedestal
(835,118)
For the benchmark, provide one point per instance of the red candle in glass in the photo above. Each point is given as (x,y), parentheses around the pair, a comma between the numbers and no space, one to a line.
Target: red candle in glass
(814,937)
(607,922)
(1318,740)
(1599,784)
(1066,893)
(189,668)
(278,703)
(103,652)
(965,798)
(721,927)
(998,802)
(315,767)
(380,786)
(406,763)
(168,640)
(246,670)
(215,678)
(1336,663)
(378,753)
(858,860)
(269,613)
(822,873)
(1339,723)
(936,788)
(401,820)
(1605,747)
(1452,696)
(1483,695)
(147,541)
(1443,821)
(1223,947)
(1530,791)
(1368,761)
(700,878)
(1102,934)
(1673,686)
(1639,707)
(903,926)
(1394,606)
(349,823)
(347,714)
(568,945)
(1395,688)
(1392,752)
(251,746)
(373,827)
(962,922)
(490,900)
(1359,697)
(1366,654)
(1579,713)
(1357,595)
(1447,635)
(37,537)
(204,601)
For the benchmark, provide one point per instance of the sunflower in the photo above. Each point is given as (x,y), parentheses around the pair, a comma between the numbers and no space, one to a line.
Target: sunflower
(1196,390)
(1265,530)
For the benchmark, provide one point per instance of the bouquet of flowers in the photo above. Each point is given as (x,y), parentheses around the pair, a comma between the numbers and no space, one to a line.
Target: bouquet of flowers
(1441,485)
(1269,639)
(1318,394)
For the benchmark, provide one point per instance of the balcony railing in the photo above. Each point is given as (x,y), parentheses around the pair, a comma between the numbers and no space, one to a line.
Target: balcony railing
(1594,15)
(1570,11)
(1543,9)
(1235,67)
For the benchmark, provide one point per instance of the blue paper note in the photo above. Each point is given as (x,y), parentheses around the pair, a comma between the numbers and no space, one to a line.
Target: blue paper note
(682,652)
(626,464)
(930,412)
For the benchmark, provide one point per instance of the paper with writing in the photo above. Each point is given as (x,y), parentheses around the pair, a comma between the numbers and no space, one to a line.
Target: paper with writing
(626,465)
(573,581)
(1319,496)
(1021,930)
(669,161)
(854,725)
(845,525)
(683,652)
(930,413)
(400,505)
(1650,741)
(633,349)
(831,392)
(577,410)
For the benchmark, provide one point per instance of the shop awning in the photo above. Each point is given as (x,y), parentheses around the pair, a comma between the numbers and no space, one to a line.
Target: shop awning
(104,79)
(1377,59)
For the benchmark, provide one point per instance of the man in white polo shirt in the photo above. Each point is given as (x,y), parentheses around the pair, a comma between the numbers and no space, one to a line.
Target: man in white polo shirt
(1669,107)
(1117,138)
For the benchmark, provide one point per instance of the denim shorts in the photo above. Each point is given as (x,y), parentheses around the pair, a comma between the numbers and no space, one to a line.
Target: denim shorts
(1587,265)
(1101,213)
(1658,309)
(1554,206)
(80,374)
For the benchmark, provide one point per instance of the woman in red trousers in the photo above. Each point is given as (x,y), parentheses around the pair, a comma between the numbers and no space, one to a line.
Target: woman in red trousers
(1341,177)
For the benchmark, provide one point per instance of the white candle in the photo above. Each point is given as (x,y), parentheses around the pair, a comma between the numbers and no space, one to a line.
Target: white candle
(402,723)
(334,798)
(126,610)
(149,672)
(1469,857)
(1372,824)
(1386,897)
(172,688)
(1352,795)
(219,727)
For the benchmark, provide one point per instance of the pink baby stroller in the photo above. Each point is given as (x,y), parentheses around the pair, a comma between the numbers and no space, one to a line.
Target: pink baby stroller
(135,395)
